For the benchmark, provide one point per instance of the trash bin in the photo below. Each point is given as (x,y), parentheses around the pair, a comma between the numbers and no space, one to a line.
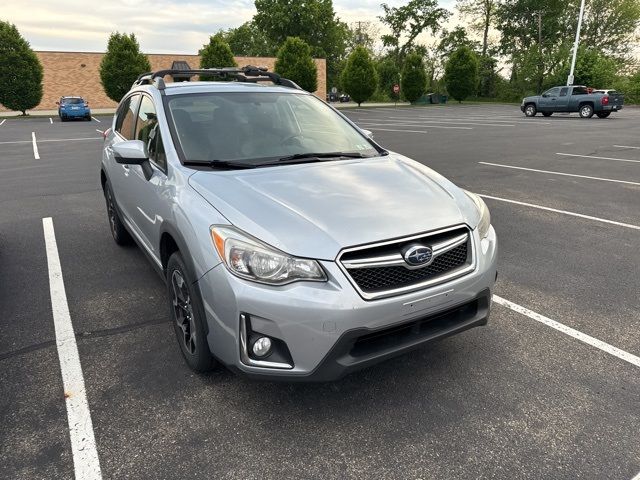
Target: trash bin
(443,99)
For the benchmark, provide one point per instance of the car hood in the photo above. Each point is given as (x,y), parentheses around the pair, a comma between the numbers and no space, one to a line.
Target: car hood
(533,98)
(316,209)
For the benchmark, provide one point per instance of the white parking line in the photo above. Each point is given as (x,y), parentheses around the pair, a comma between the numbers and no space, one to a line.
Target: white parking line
(598,158)
(392,130)
(35,146)
(583,337)
(428,123)
(99,131)
(637,477)
(96,119)
(3,122)
(53,140)
(619,146)
(564,212)
(559,173)
(83,445)
(411,125)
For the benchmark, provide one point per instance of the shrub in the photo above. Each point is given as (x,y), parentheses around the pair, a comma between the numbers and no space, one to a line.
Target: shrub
(294,62)
(461,73)
(359,78)
(121,65)
(414,78)
(388,76)
(216,54)
(20,71)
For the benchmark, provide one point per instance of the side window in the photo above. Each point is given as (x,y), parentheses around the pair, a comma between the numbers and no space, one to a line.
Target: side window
(126,117)
(553,92)
(563,91)
(579,91)
(155,147)
(148,131)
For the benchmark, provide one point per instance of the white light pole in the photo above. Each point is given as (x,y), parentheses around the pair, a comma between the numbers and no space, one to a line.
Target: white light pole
(575,45)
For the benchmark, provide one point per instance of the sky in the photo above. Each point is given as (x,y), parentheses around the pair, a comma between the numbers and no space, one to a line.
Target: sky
(162,26)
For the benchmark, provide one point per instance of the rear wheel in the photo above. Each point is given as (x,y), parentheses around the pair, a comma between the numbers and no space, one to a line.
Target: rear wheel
(118,230)
(603,114)
(530,110)
(547,114)
(187,313)
(586,110)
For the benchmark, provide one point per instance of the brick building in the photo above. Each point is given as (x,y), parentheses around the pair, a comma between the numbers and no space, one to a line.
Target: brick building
(77,73)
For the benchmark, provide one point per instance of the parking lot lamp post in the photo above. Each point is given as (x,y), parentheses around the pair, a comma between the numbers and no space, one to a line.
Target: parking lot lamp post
(575,45)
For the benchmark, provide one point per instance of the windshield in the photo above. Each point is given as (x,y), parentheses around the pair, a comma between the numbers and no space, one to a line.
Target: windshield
(72,101)
(254,127)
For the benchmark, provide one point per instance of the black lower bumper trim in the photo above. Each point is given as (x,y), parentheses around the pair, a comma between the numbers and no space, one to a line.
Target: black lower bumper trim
(362,347)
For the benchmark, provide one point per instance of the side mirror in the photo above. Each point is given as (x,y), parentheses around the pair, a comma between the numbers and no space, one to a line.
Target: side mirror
(57,103)
(368,133)
(545,95)
(133,152)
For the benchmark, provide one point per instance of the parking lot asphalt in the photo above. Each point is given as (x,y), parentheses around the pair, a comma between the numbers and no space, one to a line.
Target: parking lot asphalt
(516,399)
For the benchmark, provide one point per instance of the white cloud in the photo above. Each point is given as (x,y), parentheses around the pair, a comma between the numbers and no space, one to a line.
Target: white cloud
(161,26)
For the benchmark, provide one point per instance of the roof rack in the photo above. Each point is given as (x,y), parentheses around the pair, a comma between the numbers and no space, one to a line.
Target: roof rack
(245,74)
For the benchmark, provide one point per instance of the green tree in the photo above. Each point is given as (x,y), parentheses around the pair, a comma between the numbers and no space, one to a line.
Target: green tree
(461,73)
(216,54)
(414,78)
(595,69)
(121,65)
(388,76)
(249,41)
(294,61)
(20,71)
(359,78)
(408,21)
(611,26)
(313,21)
(482,14)
(488,78)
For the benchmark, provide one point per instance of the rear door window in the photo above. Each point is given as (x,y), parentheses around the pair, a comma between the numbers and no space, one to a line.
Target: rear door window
(563,91)
(127,116)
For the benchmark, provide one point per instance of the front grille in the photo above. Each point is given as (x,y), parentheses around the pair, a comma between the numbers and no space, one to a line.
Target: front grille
(380,270)
(389,278)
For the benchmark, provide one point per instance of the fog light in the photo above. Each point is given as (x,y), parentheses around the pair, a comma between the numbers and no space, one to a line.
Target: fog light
(262,347)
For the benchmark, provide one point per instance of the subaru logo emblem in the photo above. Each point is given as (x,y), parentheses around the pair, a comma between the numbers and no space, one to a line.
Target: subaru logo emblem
(418,255)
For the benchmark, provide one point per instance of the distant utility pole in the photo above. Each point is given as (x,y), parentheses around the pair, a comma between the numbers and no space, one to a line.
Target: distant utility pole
(359,37)
(575,45)
(540,64)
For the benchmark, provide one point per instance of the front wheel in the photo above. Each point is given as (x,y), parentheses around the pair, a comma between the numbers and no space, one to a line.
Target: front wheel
(547,114)
(187,314)
(603,114)
(530,110)
(118,231)
(586,111)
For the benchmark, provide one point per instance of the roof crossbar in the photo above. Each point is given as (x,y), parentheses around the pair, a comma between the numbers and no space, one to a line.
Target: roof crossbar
(245,74)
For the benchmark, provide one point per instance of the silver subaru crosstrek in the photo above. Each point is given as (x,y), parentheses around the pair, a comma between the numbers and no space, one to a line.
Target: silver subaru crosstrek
(292,245)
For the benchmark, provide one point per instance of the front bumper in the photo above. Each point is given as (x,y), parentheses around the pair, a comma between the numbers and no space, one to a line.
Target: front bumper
(329,329)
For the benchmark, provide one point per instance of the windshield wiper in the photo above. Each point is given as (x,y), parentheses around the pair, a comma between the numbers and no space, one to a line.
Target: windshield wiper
(311,155)
(222,164)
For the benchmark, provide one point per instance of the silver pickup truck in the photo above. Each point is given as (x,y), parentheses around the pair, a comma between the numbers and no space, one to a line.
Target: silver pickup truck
(573,99)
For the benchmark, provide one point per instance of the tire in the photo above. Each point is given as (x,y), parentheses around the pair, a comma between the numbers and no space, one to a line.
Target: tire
(603,114)
(547,114)
(586,111)
(118,231)
(187,315)
(530,110)
(88,119)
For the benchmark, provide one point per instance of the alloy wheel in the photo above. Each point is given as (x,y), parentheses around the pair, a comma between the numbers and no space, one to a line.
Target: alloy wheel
(183,312)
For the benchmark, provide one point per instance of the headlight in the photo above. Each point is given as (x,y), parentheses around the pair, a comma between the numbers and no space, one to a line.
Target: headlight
(485,216)
(251,259)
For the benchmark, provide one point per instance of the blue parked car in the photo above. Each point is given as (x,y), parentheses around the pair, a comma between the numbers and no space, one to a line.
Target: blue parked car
(73,107)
